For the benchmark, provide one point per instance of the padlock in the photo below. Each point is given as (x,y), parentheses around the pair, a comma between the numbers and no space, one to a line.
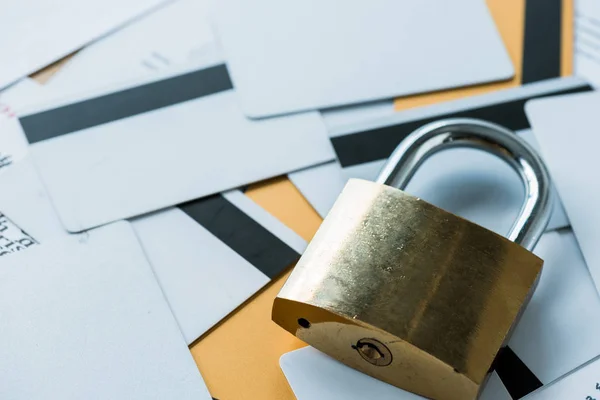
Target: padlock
(409,293)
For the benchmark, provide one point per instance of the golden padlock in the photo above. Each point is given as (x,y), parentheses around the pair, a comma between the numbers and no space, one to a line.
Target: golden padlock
(411,294)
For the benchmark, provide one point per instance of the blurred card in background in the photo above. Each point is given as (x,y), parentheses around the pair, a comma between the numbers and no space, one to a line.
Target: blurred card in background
(587,40)
(26,204)
(178,33)
(566,128)
(85,318)
(509,16)
(556,334)
(36,33)
(149,145)
(209,255)
(538,35)
(18,96)
(316,54)
(13,145)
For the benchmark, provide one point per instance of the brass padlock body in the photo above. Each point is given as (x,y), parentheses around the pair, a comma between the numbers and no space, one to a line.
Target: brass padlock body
(434,293)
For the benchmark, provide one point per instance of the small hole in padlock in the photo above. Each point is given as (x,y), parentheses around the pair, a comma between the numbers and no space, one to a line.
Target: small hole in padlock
(303,323)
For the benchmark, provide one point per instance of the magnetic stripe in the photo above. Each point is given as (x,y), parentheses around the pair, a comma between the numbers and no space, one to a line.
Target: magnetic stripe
(242,234)
(517,378)
(376,144)
(543,40)
(114,106)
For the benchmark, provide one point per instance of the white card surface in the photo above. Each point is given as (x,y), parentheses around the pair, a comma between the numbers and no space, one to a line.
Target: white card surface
(322,184)
(124,152)
(19,95)
(556,334)
(26,204)
(467,182)
(565,128)
(313,375)
(582,383)
(178,33)
(315,54)
(337,118)
(37,32)
(558,330)
(587,40)
(83,318)
(208,255)
(13,145)
(12,238)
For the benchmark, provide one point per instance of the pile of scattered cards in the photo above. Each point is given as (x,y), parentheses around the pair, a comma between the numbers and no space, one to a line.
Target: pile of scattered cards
(125,233)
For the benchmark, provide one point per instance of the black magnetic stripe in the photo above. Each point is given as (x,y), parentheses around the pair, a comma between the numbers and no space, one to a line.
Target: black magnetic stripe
(517,378)
(377,144)
(125,103)
(242,234)
(543,40)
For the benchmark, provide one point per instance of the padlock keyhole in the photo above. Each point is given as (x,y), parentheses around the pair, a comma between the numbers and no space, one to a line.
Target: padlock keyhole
(370,351)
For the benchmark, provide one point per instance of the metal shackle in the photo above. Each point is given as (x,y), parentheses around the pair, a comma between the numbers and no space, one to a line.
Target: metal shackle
(492,138)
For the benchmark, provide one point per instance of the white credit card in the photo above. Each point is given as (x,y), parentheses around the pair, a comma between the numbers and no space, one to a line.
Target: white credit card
(313,375)
(583,383)
(556,334)
(134,149)
(83,317)
(566,129)
(208,255)
(12,238)
(466,182)
(338,118)
(320,185)
(178,33)
(37,32)
(315,54)
(13,145)
(19,95)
